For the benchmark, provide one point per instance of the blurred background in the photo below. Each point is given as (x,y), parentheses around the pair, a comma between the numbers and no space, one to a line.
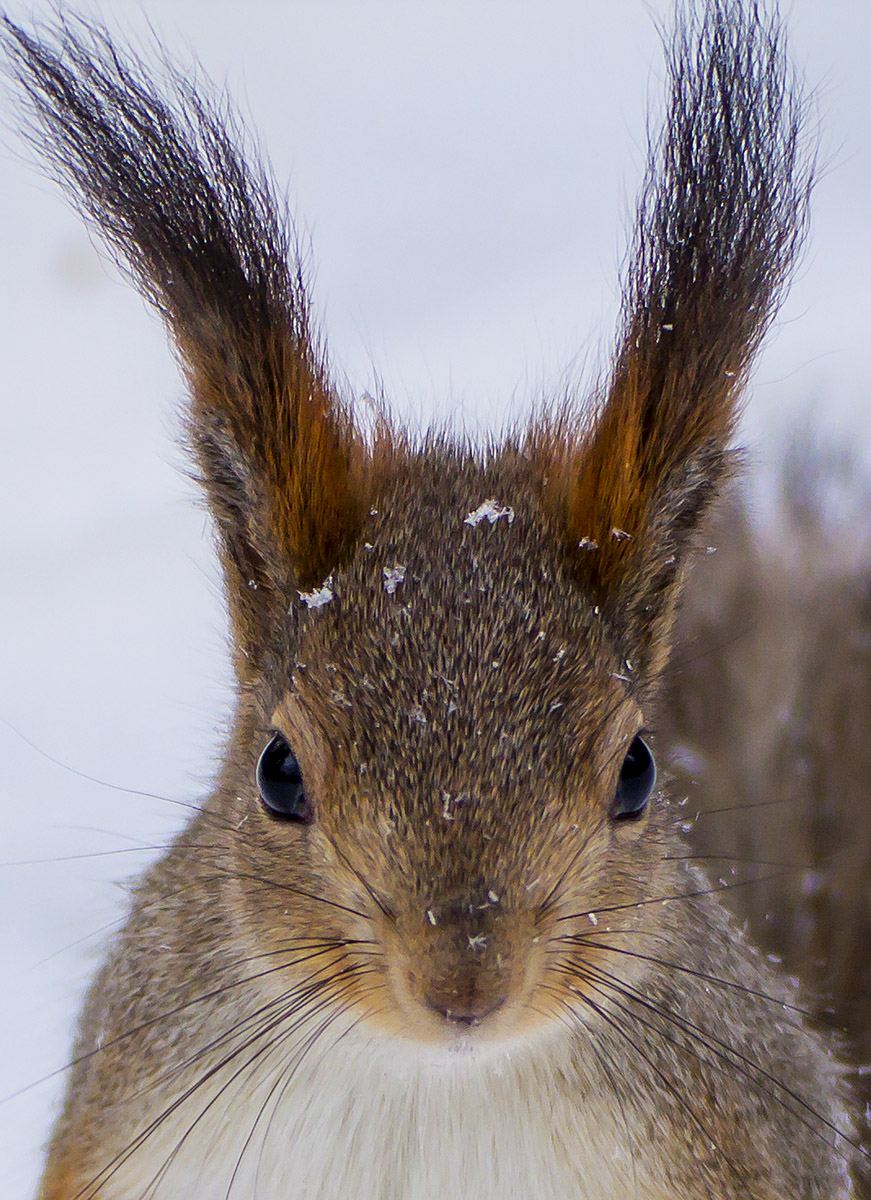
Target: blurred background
(466,174)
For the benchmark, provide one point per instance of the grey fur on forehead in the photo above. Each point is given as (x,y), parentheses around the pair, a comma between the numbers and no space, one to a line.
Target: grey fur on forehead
(487,640)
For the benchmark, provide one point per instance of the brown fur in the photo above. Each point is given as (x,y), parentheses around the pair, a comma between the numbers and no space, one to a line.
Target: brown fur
(63,1182)
(704,280)
(460,707)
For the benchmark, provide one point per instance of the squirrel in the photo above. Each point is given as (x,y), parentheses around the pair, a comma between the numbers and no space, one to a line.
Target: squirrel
(436,930)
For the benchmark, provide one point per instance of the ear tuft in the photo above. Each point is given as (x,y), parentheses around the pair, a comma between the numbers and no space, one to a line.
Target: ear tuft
(180,196)
(722,218)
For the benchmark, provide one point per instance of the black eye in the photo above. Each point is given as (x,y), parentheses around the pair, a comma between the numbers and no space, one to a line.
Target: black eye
(636,783)
(279,781)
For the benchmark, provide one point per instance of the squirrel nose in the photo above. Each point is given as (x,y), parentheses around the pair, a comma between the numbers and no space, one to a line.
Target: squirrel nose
(461,1010)
(464,975)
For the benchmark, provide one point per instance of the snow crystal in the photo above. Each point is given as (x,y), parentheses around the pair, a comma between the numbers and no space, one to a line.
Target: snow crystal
(450,804)
(393,576)
(588,543)
(318,598)
(491,510)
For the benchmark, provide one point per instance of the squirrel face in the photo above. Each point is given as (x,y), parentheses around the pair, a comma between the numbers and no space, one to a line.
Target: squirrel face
(448,851)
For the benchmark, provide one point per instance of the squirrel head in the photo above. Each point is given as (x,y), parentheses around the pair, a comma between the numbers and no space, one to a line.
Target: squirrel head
(446,657)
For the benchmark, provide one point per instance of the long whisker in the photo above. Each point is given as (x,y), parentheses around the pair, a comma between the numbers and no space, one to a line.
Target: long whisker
(745,1066)
(367,1015)
(712,812)
(263,881)
(382,907)
(667,1084)
(735,858)
(115,787)
(301,991)
(603,1058)
(266,1050)
(65,858)
(257,1059)
(583,940)
(110,1169)
(285,1077)
(711,891)
(167,1015)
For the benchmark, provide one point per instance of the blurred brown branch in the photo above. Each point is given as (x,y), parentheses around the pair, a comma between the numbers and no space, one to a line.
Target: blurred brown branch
(767,727)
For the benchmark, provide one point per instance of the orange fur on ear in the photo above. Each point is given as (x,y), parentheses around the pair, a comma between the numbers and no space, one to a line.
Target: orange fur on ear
(304,461)
(605,486)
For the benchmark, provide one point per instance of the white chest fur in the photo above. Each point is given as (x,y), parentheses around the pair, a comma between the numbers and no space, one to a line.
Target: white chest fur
(365,1120)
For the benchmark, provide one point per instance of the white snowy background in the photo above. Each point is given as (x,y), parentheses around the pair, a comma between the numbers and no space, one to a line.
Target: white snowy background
(466,171)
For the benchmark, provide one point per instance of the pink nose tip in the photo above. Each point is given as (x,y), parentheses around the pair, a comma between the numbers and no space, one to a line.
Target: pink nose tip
(457,1013)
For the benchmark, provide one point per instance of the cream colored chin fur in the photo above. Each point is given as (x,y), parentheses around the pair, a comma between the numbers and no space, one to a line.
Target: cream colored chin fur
(364,1118)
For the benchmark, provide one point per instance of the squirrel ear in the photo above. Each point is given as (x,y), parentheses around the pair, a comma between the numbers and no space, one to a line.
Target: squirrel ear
(721,220)
(166,183)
